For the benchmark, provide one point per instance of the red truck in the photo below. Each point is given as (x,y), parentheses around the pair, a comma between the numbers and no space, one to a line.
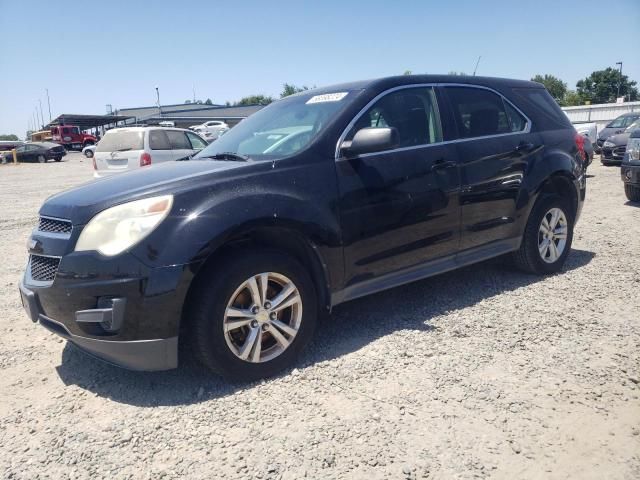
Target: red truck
(71,137)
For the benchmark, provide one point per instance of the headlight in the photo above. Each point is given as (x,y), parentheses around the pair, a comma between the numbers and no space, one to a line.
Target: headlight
(609,144)
(117,228)
(633,150)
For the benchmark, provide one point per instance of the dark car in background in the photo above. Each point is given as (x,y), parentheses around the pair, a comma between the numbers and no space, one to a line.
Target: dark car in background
(618,125)
(317,199)
(614,147)
(630,168)
(39,152)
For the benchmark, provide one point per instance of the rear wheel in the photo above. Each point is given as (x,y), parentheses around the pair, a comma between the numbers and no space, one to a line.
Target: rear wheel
(252,314)
(632,192)
(88,153)
(58,159)
(41,159)
(547,238)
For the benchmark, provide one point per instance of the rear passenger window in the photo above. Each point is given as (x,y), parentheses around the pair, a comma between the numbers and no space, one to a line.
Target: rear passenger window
(412,111)
(158,140)
(479,113)
(178,140)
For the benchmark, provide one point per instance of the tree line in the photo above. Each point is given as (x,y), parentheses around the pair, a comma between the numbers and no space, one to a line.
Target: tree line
(602,86)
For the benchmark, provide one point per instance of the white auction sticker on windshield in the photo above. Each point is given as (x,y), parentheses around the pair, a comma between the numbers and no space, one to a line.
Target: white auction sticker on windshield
(327,97)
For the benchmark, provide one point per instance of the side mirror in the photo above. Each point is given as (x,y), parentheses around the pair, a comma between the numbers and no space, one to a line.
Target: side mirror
(371,139)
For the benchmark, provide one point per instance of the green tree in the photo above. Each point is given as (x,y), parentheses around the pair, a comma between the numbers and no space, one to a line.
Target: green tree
(187,102)
(453,72)
(290,89)
(208,102)
(10,137)
(572,99)
(556,87)
(254,100)
(407,72)
(602,86)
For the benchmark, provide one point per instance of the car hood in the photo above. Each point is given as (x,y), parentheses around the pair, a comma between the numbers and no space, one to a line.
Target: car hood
(608,131)
(80,204)
(620,139)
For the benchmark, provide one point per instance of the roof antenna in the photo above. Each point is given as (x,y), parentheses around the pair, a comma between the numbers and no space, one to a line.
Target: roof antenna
(477,63)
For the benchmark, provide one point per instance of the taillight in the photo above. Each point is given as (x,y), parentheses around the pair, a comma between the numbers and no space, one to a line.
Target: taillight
(145,159)
(580,144)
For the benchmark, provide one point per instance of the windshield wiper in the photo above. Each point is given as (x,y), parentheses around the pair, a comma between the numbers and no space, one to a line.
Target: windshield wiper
(229,156)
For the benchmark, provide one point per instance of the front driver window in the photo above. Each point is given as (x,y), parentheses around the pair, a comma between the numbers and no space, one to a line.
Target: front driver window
(411,111)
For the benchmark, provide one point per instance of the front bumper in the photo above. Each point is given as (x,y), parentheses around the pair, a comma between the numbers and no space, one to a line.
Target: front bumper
(630,174)
(116,309)
(613,154)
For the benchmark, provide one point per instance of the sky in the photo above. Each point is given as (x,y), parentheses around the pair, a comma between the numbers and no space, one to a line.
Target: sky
(92,53)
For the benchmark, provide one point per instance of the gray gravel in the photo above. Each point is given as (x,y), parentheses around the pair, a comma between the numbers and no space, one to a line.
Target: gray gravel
(480,373)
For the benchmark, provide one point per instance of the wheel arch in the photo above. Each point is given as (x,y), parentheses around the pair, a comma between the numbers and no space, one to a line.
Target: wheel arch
(284,237)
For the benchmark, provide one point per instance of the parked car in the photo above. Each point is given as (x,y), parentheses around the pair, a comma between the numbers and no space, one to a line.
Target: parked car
(317,199)
(614,146)
(588,151)
(630,168)
(40,152)
(614,127)
(589,130)
(211,130)
(8,145)
(125,149)
(89,151)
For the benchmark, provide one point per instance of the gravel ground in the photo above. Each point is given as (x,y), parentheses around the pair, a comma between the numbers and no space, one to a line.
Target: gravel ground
(479,373)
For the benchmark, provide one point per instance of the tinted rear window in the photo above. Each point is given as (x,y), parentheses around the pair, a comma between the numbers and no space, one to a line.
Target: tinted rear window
(548,112)
(121,141)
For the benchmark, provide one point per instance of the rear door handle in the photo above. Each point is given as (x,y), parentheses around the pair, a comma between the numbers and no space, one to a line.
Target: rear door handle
(525,147)
(441,164)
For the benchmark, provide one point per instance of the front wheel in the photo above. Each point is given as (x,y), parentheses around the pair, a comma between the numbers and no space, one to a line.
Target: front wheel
(88,153)
(252,314)
(632,192)
(547,238)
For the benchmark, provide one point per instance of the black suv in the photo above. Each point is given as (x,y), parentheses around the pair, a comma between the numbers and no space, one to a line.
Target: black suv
(317,199)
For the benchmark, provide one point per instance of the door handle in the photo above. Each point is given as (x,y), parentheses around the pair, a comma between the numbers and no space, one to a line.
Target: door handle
(525,147)
(441,164)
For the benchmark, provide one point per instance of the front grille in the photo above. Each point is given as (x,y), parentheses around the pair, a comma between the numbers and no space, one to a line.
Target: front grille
(53,225)
(43,269)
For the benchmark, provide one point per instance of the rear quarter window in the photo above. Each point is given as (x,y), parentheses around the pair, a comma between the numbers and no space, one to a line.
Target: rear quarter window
(158,140)
(541,107)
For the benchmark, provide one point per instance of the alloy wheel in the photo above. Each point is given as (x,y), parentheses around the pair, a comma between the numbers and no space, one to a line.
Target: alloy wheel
(262,317)
(552,235)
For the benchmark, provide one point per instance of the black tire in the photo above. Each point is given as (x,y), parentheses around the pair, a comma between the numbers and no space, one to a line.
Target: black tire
(42,159)
(632,192)
(528,257)
(88,154)
(212,293)
(58,159)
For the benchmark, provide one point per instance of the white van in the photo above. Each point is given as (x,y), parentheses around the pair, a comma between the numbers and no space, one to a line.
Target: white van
(125,149)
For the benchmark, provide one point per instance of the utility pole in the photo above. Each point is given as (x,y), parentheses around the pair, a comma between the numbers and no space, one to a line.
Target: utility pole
(41,114)
(477,63)
(619,79)
(194,93)
(48,104)
(158,100)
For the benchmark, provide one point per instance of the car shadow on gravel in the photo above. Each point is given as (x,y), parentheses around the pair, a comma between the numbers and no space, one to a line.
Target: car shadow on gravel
(351,326)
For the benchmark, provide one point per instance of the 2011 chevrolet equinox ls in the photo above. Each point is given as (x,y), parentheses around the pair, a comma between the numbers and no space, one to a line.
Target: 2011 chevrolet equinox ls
(319,198)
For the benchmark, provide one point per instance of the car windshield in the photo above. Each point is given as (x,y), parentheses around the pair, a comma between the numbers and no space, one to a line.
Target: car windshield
(121,140)
(621,122)
(633,126)
(280,129)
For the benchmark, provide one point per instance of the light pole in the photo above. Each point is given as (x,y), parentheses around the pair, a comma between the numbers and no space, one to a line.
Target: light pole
(158,100)
(41,114)
(619,79)
(48,104)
